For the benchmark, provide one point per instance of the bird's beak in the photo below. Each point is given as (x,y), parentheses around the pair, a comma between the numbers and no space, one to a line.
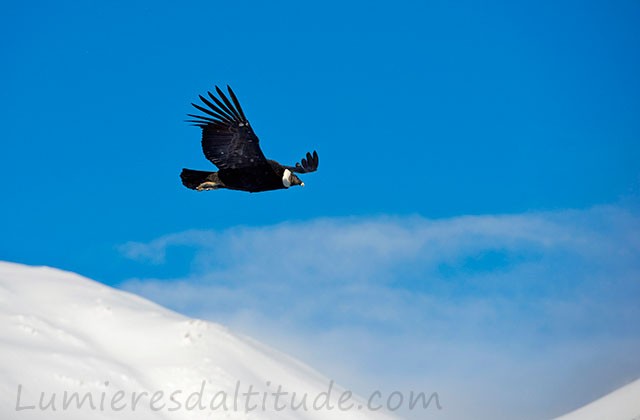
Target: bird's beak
(302,184)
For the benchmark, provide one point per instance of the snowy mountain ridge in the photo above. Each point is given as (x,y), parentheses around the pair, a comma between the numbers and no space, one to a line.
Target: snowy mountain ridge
(621,404)
(73,348)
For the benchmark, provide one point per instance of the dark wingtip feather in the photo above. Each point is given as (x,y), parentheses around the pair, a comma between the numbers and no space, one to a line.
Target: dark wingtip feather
(202,117)
(219,113)
(236,103)
(228,103)
(222,108)
(219,118)
(221,94)
(196,123)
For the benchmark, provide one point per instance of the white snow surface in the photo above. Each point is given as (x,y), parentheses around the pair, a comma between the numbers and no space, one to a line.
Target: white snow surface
(621,404)
(61,332)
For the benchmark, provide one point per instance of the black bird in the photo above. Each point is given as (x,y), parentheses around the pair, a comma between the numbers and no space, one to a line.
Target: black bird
(229,142)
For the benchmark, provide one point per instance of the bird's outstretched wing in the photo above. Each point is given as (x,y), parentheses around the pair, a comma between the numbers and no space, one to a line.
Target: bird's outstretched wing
(228,140)
(307,164)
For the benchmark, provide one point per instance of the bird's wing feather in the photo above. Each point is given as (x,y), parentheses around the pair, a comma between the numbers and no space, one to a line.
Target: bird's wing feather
(307,164)
(228,140)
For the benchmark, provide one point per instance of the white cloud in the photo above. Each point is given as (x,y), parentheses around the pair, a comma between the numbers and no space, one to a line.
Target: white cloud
(491,311)
(155,251)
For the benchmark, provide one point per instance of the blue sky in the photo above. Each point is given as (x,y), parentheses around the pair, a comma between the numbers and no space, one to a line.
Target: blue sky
(426,111)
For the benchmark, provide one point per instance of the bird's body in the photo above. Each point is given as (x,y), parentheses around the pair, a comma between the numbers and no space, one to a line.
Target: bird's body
(228,141)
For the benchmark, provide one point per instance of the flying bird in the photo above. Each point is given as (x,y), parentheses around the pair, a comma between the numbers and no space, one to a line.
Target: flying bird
(229,142)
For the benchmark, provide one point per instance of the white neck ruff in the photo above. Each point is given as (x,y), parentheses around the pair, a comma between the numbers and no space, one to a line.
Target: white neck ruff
(286,178)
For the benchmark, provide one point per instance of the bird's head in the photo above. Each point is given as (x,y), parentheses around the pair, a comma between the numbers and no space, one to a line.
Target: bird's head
(290,179)
(295,180)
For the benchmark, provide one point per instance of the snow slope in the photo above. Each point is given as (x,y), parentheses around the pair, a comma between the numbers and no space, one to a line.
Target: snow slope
(621,404)
(60,332)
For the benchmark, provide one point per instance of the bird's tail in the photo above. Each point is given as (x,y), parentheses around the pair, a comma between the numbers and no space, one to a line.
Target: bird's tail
(200,180)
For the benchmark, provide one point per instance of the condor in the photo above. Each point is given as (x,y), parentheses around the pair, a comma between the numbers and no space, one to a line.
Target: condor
(228,141)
